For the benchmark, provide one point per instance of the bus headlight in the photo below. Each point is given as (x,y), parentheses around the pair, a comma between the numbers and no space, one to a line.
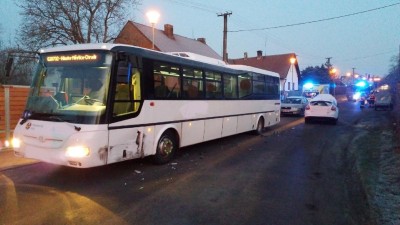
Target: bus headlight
(77,151)
(15,143)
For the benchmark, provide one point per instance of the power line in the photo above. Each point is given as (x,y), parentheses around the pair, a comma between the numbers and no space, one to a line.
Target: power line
(320,20)
(367,56)
(195,5)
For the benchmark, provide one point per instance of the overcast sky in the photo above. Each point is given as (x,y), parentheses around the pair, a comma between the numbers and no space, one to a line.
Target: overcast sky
(361,34)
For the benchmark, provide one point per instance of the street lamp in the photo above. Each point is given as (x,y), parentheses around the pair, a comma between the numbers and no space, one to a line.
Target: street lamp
(292,61)
(153,17)
(332,72)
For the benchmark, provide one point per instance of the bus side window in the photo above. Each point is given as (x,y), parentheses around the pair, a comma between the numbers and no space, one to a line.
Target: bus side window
(161,90)
(245,87)
(166,81)
(230,86)
(213,85)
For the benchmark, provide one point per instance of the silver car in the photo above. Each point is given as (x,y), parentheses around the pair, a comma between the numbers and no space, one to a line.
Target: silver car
(293,105)
(383,100)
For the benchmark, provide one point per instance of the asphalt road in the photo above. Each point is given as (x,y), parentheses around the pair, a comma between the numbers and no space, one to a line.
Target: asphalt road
(292,174)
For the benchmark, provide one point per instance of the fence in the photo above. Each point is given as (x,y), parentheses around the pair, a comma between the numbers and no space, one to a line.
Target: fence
(12,104)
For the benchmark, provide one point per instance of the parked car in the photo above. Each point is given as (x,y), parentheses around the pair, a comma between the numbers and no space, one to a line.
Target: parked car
(294,105)
(383,100)
(322,107)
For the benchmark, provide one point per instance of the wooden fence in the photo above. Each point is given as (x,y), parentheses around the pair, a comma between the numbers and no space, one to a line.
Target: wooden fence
(12,104)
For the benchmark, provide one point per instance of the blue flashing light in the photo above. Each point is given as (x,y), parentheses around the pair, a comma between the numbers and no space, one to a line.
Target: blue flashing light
(308,85)
(361,84)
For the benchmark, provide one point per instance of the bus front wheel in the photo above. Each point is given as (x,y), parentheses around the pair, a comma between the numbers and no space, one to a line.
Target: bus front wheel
(166,148)
(260,126)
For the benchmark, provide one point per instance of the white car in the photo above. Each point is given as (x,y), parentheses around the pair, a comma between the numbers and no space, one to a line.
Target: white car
(322,107)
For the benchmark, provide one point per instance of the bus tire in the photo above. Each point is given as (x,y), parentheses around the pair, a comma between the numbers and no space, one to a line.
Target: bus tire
(166,148)
(260,126)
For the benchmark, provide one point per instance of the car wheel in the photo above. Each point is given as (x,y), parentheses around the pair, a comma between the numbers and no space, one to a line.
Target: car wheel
(166,148)
(302,112)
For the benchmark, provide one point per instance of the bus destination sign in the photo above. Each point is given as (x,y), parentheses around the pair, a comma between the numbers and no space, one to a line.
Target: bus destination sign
(73,58)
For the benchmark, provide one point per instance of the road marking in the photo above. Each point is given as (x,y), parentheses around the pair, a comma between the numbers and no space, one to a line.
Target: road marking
(284,127)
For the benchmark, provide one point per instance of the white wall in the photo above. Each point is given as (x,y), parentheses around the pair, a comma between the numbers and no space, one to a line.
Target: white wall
(291,77)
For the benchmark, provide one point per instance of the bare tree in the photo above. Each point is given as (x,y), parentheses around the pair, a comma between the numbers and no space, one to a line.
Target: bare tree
(61,22)
(21,68)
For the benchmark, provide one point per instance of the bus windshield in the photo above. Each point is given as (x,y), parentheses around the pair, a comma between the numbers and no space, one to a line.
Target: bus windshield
(70,87)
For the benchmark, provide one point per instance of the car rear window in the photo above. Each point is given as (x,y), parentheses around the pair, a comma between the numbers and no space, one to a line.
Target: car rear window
(293,100)
(321,103)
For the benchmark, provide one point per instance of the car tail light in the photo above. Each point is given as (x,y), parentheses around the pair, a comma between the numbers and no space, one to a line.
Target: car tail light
(333,108)
(308,107)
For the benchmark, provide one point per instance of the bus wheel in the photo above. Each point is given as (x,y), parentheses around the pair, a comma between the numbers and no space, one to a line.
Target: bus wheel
(260,126)
(166,148)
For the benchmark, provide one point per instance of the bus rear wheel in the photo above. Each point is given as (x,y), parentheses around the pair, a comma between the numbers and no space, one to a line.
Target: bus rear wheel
(166,148)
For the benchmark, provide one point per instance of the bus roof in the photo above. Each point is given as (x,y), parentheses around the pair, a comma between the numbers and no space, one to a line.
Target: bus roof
(183,55)
(200,58)
(253,69)
(77,47)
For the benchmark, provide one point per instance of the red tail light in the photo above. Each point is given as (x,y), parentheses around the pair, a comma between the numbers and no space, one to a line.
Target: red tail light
(308,107)
(333,108)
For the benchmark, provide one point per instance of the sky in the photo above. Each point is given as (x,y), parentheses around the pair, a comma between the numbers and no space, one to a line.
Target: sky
(364,35)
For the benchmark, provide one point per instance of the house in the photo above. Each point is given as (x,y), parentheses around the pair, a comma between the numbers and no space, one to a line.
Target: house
(164,40)
(289,72)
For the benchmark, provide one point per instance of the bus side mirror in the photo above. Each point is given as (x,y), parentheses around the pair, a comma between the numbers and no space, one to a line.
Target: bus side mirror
(9,64)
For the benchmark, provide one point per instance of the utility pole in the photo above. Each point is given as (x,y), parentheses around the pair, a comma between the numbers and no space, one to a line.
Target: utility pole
(328,63)
(224,51)
(352,75)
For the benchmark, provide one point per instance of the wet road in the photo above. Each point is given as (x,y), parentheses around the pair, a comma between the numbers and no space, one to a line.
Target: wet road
(292,174)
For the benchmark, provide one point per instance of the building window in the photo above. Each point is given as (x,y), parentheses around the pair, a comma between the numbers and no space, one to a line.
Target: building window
(288,86)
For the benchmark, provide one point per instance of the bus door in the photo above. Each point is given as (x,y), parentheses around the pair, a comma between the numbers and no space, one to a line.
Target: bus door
(125,139)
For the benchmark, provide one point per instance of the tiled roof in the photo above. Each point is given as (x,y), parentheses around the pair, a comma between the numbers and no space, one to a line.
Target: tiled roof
(276,63)
(176,44)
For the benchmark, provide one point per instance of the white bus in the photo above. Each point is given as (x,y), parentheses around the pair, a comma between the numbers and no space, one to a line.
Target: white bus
(142,103)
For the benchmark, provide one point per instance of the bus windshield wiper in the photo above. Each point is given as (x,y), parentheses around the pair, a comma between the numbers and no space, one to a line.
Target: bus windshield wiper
(56,118)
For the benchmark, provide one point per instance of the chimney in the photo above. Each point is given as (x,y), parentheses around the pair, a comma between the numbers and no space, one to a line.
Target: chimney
(259,54)
(202,40)
(245,56)
(169,30)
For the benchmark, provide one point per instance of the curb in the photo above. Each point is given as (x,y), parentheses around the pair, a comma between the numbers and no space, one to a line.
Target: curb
(8,160)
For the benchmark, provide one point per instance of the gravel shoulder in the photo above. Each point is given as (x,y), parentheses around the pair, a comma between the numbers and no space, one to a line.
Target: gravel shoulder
(375,157)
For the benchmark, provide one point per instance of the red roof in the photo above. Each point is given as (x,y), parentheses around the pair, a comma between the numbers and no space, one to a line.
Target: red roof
(176,43)
(275,63)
